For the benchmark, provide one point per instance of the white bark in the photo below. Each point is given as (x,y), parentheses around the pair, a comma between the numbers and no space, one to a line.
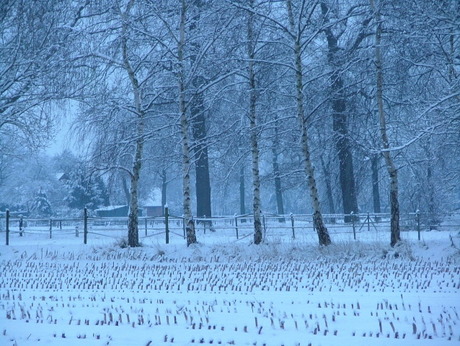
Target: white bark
(133,229)
(323,234)
(391,168)
(184,126)
(253,130)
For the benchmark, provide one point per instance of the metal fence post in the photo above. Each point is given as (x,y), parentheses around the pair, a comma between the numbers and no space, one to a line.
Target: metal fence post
(354,227)
(7,220)
(21,226)
(167,223)
(236,226)
(51,228)
(184,226)
(264,225)
(368,222)
(292,225)
(417,217)
(145,224)
(85,226)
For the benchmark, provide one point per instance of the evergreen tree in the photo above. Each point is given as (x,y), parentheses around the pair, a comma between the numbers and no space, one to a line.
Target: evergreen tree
(86,192)
(40,205)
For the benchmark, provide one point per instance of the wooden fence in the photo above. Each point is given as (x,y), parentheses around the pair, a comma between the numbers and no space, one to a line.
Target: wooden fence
(235,227)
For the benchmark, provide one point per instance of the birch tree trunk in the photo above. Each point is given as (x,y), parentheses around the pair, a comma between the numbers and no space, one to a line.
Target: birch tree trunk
(184,127)
(323,234)
(133,229)
(391,168)
(253,130)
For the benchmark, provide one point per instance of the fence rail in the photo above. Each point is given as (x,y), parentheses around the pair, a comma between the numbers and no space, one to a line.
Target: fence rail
(236,227)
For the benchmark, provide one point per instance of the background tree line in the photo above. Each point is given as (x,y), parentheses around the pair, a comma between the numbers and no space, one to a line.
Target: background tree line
(243,106)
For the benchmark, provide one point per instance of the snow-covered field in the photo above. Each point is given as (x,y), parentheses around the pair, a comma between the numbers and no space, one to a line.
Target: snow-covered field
(226,292)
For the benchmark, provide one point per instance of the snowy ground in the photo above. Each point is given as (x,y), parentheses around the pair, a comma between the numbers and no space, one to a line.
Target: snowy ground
(226,291)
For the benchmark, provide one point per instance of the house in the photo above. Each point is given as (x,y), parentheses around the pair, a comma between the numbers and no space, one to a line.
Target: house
(113,211)
(153,204)
(154,210)
(62,177)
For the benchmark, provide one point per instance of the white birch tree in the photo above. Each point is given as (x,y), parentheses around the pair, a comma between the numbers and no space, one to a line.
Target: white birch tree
(296,34)
(391,168)
(121,106)
(184,129)
(253,128)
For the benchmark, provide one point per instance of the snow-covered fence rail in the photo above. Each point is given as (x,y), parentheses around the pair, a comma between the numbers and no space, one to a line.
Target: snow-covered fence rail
(292,227)
(87,227)
(300,225)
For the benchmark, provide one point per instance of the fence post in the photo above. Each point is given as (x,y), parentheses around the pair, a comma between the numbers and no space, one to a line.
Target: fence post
(236,226)
(167,223)
(21,226)
(368,222)
(417,216)
(292,225)
(184,227)
(77,233)
(51,228)
(145,226)
(354,227)
(85,226)
(7,220)
(264,224)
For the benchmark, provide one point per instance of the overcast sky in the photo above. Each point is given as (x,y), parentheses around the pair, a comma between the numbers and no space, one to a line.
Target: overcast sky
(64,138)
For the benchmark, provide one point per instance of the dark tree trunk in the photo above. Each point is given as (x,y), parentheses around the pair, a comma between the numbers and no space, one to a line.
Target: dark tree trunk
(328,183)
(340,126)
(202,180)
(278,190)
(198,116)
(375,183)
(346,172)
(242,192)
(277,173)
(432,217)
